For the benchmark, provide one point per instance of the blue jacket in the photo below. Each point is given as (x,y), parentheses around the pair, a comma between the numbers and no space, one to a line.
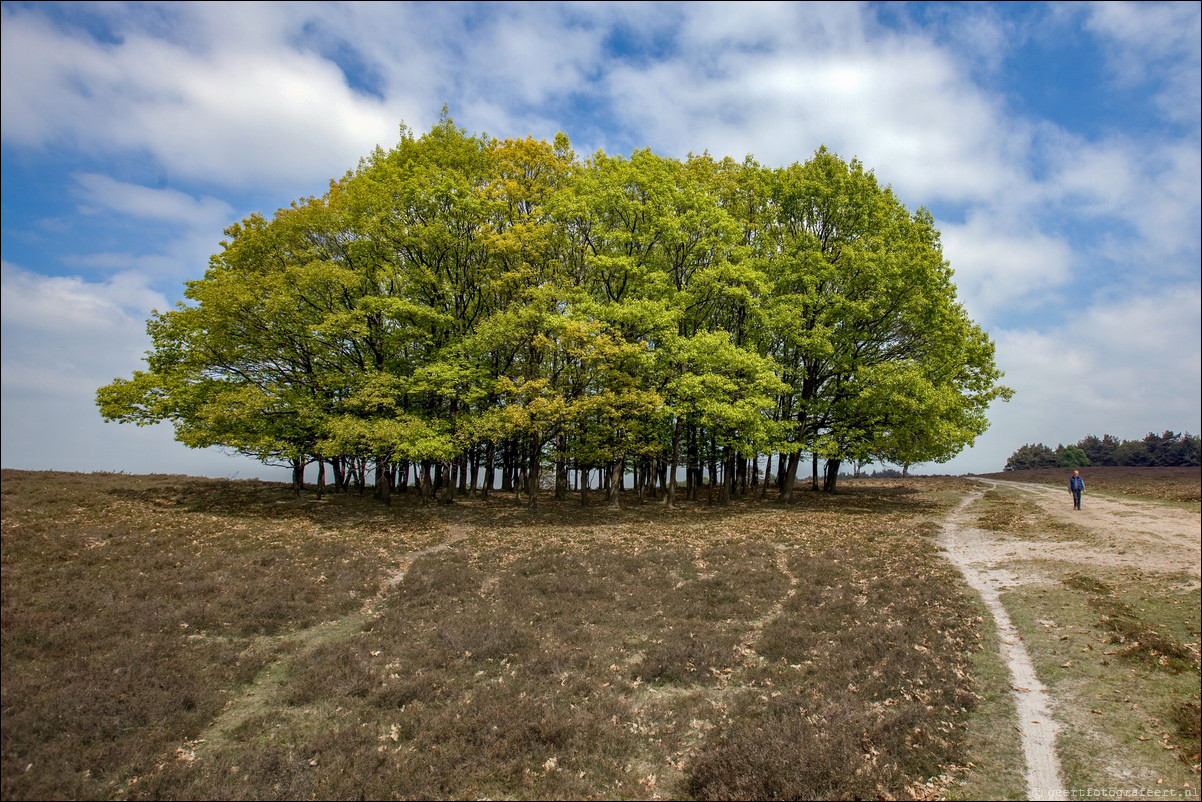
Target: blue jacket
(1076,483)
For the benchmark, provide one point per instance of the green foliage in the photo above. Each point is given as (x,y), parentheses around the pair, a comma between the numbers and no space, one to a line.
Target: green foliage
(1159,450)
(458,294)
(1030,456)
(1071,457)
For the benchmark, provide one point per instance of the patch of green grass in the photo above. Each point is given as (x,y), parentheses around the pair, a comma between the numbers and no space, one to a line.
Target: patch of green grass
(1118,651)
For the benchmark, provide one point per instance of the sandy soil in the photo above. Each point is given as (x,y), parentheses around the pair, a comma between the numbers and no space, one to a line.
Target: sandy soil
(1112,531)
(1122,531)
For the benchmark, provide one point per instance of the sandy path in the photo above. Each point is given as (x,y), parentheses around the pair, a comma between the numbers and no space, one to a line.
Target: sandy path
(1111,531)
(1122,532)
(1037,728)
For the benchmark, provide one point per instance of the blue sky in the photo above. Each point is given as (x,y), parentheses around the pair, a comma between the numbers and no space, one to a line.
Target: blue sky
(1057,145)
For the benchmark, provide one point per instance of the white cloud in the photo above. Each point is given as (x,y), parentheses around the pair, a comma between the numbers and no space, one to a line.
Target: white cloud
(1001,264)
(103,192)
(1125,368)
(238,108)
(63,337)
(1158,42)
(782,86)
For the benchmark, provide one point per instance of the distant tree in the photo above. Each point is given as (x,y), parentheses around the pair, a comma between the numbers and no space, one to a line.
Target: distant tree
(1071,457)
(1187,451)
(1100,451)
(1032,455)
(1132,453)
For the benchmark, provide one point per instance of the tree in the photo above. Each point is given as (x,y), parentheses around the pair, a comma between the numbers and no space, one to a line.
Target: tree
(1071,457)
(881,358)
(458,298)
(1031,456)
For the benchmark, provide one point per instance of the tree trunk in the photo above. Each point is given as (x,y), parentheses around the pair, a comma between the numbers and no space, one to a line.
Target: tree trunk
(788,475)
(427,482)
(561,467)
(383,483)
(447,488)
(728,477)
(615,482)
(832,475)
(532,478)
(490,469)
(298,476)
(670,489)
(321,478)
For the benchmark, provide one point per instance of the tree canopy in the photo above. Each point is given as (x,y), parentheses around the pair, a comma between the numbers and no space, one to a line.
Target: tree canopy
(461,304)
(1168,449)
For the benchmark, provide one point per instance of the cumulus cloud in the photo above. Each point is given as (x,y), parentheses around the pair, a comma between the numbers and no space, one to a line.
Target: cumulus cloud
(1157,42)
(236,108)
(1124,368)
(1001,264)
(256,104)
(63,337)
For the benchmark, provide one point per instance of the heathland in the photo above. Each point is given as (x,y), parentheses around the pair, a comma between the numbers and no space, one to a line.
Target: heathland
(172,637)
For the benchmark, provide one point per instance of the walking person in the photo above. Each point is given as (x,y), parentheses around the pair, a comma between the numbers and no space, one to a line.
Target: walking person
(1076,486)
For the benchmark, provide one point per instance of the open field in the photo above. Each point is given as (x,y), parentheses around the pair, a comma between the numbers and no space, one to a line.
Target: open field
(1167,484)
(185,638)
(168,637)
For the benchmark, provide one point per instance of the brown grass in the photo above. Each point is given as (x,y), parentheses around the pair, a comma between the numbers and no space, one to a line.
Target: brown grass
(1164,484)
(163,637)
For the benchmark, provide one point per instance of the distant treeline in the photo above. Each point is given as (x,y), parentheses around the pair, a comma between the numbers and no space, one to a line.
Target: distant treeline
(1167,449)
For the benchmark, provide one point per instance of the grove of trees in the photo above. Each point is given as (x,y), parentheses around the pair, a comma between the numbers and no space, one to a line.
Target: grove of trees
(462,313)
(1161,450)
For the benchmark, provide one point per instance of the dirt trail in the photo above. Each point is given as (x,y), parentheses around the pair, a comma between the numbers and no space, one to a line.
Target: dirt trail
(1122,532)
(1036,726)
(1111,531)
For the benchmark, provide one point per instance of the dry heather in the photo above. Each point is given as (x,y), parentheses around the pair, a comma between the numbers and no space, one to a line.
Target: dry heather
(166,637)
(1166,484)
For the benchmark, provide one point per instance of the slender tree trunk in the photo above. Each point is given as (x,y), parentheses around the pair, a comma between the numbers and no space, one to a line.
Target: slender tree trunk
(561,466)
(321,478)
(474,467)
(728,477)
(298,476)
(507,468)
(447,495)
(670,487)
(490,468)
(532,480)
(336,465)
(814,471)
(427,482)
